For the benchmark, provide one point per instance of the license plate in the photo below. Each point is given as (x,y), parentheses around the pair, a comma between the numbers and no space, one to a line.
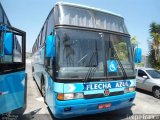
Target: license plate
(103,106)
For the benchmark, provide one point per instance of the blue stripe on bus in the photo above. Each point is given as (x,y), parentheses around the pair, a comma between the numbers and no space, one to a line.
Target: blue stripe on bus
(92,87)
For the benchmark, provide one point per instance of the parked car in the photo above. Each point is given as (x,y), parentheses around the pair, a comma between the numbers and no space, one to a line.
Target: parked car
(148,79)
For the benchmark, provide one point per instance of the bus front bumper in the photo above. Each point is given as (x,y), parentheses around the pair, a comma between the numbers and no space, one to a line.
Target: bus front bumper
(91,106)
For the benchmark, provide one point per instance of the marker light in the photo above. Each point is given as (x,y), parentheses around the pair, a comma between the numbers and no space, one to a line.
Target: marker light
(69,96)
(60,96)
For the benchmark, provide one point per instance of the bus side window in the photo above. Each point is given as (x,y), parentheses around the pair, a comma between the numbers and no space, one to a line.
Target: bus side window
(17,52)
(47,62)
(50,62)
(1,15)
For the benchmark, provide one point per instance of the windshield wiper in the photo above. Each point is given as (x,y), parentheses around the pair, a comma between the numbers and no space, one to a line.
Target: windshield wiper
(119,62)
(92,70)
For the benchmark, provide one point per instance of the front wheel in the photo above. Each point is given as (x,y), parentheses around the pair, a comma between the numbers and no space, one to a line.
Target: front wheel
(156,92)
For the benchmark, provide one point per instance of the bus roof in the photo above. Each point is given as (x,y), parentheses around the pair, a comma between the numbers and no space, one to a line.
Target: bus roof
(88,7)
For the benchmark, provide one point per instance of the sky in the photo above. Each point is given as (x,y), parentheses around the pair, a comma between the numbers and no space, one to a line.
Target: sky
(29,15)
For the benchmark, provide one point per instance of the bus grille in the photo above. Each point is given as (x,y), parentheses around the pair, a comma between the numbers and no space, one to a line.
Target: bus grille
(91,96)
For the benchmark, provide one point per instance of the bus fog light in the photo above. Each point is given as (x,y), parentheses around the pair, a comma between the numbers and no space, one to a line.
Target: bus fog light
(67,109)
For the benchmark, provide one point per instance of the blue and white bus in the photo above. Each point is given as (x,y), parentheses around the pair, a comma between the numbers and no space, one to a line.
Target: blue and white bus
(83,61)
(13,80)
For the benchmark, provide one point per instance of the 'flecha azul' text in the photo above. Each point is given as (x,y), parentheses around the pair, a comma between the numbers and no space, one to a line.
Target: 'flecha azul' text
(101,86)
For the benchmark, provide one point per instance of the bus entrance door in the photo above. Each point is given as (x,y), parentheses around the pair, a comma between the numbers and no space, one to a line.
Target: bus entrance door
(12,69)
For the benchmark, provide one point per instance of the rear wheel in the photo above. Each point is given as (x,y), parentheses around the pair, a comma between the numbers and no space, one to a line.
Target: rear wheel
(19,111)
(156,92)
(5,116)
(43,86)
(32,73)
(32,69)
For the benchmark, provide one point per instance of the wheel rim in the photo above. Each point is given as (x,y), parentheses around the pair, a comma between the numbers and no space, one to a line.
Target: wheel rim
(157,93)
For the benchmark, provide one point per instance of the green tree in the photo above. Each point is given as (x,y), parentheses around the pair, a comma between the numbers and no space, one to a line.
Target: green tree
(154,55)
(134,40)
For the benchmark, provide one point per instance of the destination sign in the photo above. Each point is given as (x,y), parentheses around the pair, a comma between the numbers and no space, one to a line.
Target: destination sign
(109,85)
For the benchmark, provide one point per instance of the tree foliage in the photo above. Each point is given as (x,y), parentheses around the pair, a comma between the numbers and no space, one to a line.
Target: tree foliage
(134,40)
(154,46)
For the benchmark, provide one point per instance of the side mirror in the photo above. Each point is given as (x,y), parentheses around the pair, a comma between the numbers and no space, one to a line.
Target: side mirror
(50,46)
(138,55)
(145,77)
(8,44)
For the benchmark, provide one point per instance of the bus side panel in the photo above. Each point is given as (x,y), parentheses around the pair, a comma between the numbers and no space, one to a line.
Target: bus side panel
(50,100)
(36,70)
(12,91)
(38,65)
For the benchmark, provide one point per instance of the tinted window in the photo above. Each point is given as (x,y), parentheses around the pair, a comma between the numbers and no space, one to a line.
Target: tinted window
(50,25)
(5,20)
(1,15)
(17,57)
(70,15)
(39,37)
(118,49)
(141,73)
(37,44)
(154,73)
(43,34)
(79,51)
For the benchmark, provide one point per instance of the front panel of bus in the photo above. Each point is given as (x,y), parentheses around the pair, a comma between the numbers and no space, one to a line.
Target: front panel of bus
(92,70)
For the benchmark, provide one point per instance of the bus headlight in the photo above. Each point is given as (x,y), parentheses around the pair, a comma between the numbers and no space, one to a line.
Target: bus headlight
(129,89)
(69,96)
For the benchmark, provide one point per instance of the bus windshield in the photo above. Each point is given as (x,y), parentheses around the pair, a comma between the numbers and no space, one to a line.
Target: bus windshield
(119,51)
(76,16)
(79,50)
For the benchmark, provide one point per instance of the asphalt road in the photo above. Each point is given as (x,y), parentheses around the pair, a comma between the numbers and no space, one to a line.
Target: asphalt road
(144,103)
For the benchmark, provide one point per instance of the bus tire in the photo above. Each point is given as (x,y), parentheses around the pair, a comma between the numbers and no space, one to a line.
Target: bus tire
(19,111)
(43,86)
(33,72)
(32,69)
